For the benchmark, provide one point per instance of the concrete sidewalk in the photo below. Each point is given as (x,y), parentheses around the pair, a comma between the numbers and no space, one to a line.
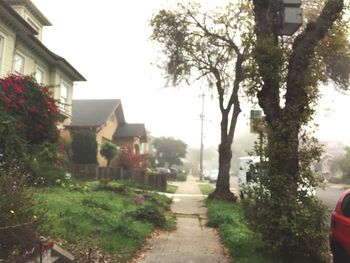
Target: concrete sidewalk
(192,242)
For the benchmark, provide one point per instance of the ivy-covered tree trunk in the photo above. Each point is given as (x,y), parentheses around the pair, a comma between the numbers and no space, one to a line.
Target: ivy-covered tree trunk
(285,119)
(284,124)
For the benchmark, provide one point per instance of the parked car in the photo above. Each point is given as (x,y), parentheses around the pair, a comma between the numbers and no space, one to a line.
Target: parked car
(340,230)
(213,176)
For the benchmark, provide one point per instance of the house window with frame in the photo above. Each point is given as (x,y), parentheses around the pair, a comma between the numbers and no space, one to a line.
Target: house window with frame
(18,64)
(33,24)
(39,75)
(2,43)
(64,96)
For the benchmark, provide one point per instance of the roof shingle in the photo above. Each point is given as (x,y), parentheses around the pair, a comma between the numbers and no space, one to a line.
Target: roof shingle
(88,113)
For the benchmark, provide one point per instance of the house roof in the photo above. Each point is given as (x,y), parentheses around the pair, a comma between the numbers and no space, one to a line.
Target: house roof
(33,9)
(28,33)
(94,113)
(131,130)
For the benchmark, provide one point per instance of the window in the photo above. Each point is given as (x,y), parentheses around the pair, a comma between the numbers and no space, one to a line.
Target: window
(64,96)
(2,43)
(18,64)
(345,206)
(32,24)
(39,75)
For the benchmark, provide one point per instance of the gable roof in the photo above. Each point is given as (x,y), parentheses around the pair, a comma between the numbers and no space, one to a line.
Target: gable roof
(131,130)
(33,9)
(94,113)
(27,33)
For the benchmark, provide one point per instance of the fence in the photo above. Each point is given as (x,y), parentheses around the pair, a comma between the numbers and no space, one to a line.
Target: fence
(94,172)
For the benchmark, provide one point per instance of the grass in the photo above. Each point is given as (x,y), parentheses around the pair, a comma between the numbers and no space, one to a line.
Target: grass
(171,189)
(206,188)
(243,244)
(115,219)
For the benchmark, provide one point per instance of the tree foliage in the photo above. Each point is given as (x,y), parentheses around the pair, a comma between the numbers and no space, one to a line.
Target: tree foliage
(28,139)
(343,164)
(213,46)
(169,151)
(131,160)
(289,72)
(84,147)
(108,150)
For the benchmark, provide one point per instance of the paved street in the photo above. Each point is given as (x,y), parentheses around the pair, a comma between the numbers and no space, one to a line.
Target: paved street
(330,194)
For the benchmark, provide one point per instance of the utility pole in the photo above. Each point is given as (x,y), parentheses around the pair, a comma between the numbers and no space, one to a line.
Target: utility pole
(201,148)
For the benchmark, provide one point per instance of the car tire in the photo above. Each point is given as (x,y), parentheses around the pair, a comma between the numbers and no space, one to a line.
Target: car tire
(339,254)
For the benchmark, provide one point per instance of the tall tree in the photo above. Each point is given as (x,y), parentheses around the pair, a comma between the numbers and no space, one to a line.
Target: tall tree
(169,151)
(290,71)
(212,46)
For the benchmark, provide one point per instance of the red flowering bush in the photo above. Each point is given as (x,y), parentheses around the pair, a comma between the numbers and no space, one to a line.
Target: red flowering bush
(32,106)
(129,160)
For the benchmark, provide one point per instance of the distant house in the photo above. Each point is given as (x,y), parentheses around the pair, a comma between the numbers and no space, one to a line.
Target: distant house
(106,119)
(23,53)
(332,151)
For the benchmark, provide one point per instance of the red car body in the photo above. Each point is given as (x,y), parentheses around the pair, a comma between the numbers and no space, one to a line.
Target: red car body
(340,230)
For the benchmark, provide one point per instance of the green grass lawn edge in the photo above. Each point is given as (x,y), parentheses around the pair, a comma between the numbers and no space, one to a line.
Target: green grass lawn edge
(244,245)
(115,221)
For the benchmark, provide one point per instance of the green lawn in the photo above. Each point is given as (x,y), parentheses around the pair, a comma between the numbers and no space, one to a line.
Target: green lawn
(206,188)
(115,220)
(243,244)
(171,188)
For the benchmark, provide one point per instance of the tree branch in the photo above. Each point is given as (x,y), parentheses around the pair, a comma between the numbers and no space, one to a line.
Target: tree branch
(303,49)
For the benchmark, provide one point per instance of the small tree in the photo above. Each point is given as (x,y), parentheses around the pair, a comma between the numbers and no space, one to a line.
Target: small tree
(108,150)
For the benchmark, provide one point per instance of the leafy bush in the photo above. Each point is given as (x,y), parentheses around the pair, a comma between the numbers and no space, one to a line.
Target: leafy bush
(18,220)
(182,177)
(84,147)
(150,213)
(46,174)
(13,146)
(33,107)
(292,230)
(244,245)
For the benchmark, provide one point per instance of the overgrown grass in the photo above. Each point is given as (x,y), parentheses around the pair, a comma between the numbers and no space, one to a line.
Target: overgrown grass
(205,188)
(243,244)
(114,218)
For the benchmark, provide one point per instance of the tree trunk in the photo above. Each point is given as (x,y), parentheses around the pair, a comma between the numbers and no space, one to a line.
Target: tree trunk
(283,145)
(222,190)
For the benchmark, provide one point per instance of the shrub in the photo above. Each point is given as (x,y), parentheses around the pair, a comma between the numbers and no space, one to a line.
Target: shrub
(295,231)
(18,220)
(13,147)
(181,177)
(33,107)
(46,174)
(149,213)
(84,147)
